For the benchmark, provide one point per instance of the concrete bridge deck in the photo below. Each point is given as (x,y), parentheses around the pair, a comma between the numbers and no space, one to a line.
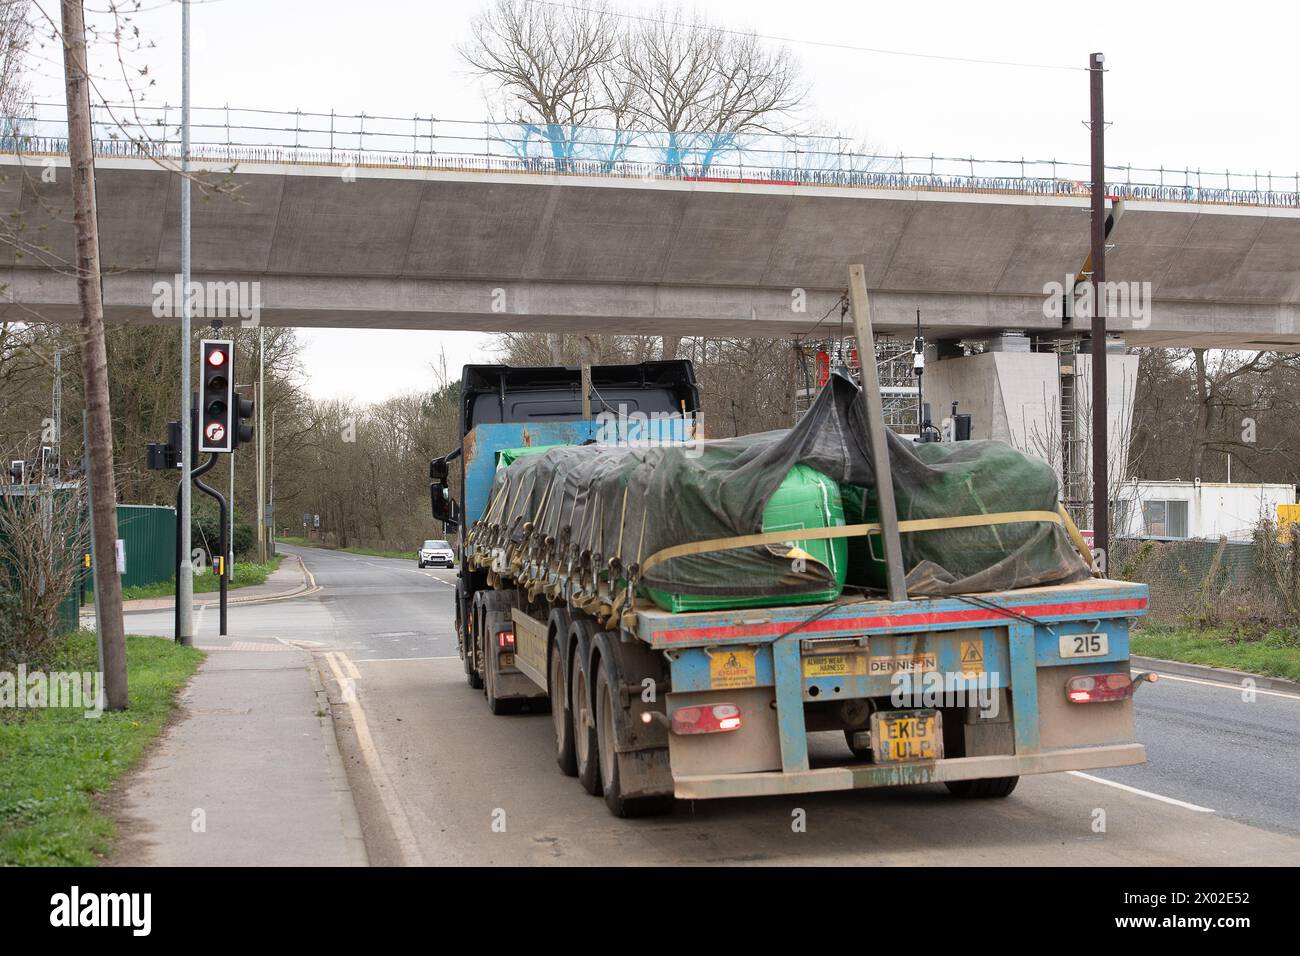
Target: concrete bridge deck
(490,251)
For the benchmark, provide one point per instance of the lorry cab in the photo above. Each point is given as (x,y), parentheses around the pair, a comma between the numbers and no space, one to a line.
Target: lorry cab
(527,407)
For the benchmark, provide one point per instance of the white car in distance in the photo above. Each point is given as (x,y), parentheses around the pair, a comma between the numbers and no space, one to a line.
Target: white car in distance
(436,554)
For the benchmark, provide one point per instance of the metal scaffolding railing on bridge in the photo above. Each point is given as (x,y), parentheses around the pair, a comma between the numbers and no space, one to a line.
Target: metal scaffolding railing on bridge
(231,135)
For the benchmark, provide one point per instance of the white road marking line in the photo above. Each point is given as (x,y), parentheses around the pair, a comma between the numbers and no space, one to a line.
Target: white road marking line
(1141,793)
(391,660)
(406,843)
(1234,687)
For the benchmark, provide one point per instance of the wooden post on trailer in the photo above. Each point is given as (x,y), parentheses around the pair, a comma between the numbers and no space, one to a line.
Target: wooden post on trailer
(876,441)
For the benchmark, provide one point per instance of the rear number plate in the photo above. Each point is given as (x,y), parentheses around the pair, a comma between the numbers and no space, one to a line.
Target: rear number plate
(1084,645)
(899,736)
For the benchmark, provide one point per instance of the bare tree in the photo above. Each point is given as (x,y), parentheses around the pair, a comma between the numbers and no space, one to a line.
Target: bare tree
(702,85)
(1223,392)
(560,69)
(15,38)
(546,62)
(41,542)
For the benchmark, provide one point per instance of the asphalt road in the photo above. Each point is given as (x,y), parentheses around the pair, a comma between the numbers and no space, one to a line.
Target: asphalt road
(439,780)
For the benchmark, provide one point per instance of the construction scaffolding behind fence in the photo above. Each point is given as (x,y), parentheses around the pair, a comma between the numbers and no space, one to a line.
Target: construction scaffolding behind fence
(816,359)
(1071,439)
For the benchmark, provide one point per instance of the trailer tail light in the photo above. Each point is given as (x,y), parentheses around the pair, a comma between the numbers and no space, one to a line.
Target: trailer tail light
(506,640)
(706,719)
(1099,687)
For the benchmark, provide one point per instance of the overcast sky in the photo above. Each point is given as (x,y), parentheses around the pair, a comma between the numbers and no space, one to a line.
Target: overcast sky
(1189,84)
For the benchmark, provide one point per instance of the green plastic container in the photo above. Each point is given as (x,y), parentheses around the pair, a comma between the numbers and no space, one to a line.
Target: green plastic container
(866,553)
(508,456)
(805,499)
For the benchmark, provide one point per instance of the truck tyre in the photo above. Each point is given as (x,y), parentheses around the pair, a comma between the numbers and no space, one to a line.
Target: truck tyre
(561,714)
(472,628)
(607,740)
(586,749)
(986,789)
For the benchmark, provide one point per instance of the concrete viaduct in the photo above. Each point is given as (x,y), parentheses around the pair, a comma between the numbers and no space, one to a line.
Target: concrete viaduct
(493,251)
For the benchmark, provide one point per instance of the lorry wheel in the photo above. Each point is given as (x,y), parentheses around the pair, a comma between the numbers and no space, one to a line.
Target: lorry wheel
(585,746)
(562,716)
(607,738)
(472,676)
(988,788)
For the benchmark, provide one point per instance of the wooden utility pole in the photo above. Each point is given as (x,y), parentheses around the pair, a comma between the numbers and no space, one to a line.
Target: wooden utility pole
(94,359)
(1100,452)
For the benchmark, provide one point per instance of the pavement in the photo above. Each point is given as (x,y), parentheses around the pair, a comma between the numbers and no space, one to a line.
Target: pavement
(435,779)
(249,772)
(249,775)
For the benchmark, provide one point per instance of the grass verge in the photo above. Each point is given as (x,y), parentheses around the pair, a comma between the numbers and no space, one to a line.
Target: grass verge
(1275,654)
(242,575)
(54,761)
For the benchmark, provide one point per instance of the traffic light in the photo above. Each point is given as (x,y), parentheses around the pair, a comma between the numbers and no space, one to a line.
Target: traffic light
(166,455)
(243,424)
(216,396)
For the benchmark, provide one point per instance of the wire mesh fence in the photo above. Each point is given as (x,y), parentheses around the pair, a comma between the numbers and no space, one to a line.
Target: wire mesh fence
(233,135)
(1250,585)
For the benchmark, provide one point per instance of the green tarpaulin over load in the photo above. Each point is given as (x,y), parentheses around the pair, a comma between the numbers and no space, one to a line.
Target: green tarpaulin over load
(631,502)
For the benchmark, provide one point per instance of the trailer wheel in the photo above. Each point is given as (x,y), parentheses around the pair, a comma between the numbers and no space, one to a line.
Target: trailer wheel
(585,746)
(986,789)
(562,715)
(472,629)
(607,738)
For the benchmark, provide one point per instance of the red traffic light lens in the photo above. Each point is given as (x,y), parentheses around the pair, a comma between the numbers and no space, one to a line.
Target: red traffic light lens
(216,357)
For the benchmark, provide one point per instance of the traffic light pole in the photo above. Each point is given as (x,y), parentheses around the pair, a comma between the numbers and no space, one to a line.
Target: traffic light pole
(222,546)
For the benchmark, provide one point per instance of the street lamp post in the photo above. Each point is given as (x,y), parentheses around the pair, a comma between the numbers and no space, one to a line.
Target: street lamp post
(261,446)
(185,571)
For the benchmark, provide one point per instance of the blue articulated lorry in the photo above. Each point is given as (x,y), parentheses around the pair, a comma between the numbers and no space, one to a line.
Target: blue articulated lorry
(653,701)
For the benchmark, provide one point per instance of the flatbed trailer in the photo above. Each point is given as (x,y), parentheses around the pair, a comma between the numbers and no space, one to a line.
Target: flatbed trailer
(993,686)
(972,691)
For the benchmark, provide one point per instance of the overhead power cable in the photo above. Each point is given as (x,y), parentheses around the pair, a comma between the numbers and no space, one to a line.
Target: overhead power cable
(826,44)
